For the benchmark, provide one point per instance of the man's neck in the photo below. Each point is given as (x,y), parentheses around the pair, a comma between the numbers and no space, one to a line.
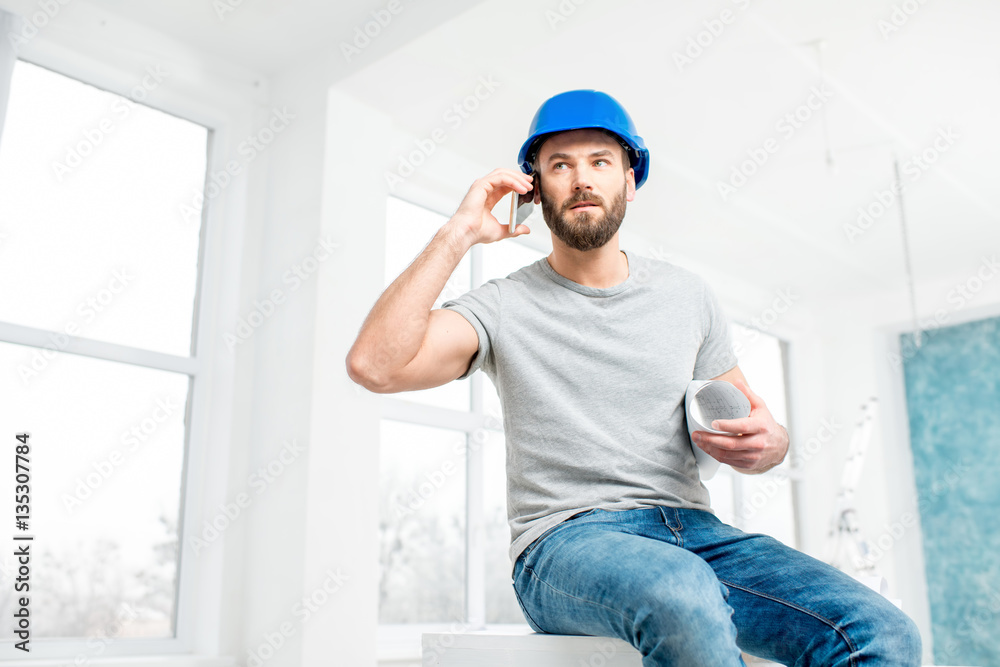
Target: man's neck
(599,268)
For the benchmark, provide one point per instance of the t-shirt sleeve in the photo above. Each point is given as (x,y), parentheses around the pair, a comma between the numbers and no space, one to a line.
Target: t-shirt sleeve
(715,356)
(481,307)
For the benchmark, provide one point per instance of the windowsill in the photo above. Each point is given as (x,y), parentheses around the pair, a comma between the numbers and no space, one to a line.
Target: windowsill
(130,661)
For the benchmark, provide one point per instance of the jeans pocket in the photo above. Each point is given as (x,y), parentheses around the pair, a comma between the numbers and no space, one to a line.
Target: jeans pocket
(583,514)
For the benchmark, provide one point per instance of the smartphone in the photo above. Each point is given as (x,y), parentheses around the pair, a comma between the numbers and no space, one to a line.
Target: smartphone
(520,206)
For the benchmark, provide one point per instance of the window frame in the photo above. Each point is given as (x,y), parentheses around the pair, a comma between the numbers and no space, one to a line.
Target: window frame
(194,627)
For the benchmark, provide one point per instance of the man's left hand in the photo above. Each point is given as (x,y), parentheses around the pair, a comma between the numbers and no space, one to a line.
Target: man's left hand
(757,444)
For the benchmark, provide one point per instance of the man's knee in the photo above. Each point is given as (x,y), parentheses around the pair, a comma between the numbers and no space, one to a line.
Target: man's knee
(883,635)
(898,640)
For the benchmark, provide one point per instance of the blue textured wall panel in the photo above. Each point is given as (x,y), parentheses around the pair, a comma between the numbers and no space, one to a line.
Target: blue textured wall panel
(953,404)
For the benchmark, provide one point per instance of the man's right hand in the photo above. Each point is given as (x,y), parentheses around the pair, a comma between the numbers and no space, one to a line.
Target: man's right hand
(474,220)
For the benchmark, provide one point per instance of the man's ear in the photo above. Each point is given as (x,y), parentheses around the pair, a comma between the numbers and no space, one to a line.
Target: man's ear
(536,184)
(630,184)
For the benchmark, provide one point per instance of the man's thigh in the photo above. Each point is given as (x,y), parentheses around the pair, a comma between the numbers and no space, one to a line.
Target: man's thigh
(609,578)
(793,608)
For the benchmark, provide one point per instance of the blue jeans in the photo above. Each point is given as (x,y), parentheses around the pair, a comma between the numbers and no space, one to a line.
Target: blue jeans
(686,589)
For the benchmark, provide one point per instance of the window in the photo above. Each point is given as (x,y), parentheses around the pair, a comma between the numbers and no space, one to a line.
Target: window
(97,331)
(759,503)
(422,478)
(409,229)
(443,511)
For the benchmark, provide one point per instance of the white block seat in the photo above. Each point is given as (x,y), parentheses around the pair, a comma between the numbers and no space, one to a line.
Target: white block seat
(520,646)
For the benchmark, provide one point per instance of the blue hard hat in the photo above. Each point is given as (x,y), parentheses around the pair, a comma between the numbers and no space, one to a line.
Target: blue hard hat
(579,109)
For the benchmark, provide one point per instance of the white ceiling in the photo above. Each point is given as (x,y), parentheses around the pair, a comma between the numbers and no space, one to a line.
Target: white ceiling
(269,35)
(785,227)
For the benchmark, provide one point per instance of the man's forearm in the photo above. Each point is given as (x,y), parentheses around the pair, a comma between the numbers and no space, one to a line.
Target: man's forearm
(395,328)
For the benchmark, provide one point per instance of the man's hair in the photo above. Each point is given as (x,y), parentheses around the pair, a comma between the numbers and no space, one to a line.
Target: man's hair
(626,161)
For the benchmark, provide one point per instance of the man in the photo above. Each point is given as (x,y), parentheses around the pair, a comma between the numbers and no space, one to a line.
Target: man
(591,350)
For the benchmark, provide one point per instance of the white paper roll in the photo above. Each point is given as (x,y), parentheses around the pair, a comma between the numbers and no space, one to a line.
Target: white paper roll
(704,402)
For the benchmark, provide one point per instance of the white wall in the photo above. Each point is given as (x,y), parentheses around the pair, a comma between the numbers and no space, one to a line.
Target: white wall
(279,410)
(342,493)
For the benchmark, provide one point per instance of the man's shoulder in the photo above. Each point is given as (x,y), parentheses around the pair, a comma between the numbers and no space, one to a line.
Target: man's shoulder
(512,286)
(677,276)
(527,274)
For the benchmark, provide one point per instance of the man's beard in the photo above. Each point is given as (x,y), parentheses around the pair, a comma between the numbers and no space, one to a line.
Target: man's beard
(585,232)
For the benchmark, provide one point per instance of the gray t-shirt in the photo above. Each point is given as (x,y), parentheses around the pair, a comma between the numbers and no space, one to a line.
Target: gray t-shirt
(591,383)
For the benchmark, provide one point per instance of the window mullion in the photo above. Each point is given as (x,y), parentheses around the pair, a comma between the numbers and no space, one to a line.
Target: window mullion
(475,544)
(61,342)
(475,547)
(738,519)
